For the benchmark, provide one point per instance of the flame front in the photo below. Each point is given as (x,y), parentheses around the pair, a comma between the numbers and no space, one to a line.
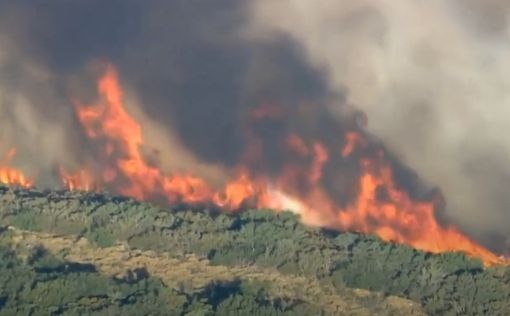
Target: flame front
(10,175)
(109,121)
(79,180)
(399,219)
(395,218)
(380,206)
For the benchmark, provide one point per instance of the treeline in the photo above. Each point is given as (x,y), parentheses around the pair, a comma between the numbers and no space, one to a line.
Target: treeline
(446,284)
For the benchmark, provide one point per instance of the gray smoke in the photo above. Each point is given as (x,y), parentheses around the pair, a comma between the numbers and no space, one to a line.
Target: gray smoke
(432,77)
(31,116)
(190,71)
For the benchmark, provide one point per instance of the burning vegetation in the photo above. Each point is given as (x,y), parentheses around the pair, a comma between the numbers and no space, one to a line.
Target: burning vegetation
(343,180)
(11,175)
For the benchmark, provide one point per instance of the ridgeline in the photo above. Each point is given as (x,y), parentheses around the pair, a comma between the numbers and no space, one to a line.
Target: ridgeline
(70,253)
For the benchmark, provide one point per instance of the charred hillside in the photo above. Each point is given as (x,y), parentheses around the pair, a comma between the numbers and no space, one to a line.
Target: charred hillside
(244,242)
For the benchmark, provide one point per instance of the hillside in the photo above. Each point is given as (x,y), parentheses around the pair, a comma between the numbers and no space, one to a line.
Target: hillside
(86,252)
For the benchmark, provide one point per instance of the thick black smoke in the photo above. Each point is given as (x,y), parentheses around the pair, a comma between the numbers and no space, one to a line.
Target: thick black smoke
(192,68)
(187,60)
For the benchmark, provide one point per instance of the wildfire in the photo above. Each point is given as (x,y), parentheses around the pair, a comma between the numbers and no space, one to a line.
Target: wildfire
(10,175)
(380,207)
(352,140)
(399,219)
(80,180)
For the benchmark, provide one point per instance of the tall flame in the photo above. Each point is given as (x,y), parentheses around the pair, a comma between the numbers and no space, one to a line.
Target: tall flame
(394,217)
(108,120)
(380,207)
(399,219)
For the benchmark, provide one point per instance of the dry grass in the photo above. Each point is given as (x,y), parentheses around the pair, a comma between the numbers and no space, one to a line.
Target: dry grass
(193,273)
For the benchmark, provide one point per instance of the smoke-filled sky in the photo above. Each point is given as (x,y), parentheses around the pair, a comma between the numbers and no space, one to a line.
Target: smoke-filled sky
(430,76)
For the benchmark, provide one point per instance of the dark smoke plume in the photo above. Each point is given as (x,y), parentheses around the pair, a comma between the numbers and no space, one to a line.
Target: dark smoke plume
(195,70)
(432,78)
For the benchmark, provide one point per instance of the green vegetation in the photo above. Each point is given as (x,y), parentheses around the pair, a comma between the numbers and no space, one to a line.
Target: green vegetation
(42,284)
(447,284)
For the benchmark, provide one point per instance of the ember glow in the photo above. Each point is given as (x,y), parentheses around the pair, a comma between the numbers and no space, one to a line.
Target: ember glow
(380,206)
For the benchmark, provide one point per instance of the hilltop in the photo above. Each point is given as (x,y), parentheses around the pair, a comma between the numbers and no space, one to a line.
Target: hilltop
(87,252)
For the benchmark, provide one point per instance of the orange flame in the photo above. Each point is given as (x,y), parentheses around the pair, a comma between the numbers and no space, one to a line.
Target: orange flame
(352,140)
(110,121)
(81,180)
(380,206)
(401,220)
(10,175)
(394,218)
